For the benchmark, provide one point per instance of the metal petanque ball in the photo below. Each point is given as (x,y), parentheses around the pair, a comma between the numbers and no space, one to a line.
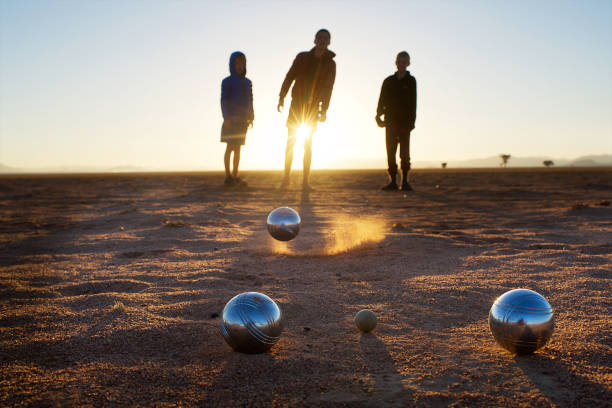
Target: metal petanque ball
(365,320)
(251,322)
(284,223)
(521,321)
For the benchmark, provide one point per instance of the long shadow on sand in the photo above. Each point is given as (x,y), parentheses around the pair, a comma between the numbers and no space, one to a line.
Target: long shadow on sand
(559,384)
(58,213)
(97,345)
(158,358)
(385,381)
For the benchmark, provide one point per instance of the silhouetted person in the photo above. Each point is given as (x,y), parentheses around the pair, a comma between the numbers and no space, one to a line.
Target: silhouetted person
(237,109)
(314,73)
(397,103)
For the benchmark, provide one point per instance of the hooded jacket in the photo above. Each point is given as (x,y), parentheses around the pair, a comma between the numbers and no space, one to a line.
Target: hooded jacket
(398,100)
(237,94)
(311,89)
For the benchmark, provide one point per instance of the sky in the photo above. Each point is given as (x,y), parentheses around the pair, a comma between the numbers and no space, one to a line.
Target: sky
(134,82)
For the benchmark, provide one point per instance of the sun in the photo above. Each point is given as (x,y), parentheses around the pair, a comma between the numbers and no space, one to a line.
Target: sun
(302,133)
(326,145)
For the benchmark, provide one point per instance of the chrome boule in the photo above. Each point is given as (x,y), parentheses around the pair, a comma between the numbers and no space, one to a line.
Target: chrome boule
(521,321)
(284,223)
(251,322)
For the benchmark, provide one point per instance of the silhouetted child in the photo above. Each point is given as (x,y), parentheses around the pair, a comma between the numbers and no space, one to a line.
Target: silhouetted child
(397,103)
(237,109)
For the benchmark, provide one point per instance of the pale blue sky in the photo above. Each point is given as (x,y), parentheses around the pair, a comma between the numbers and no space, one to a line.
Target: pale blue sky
(108,83)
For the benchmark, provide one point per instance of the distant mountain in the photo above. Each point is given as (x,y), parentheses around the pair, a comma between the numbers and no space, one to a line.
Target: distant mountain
(4,169)
(7,169)
(594,160)
(363,163)
(536,161)
(583,163)
(495,161)
(485,162)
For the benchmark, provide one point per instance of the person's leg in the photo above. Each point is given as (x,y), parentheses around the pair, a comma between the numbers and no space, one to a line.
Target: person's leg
(236,160)
(289,155)
(405,160)
(391,140)
(226,162)
(307,158)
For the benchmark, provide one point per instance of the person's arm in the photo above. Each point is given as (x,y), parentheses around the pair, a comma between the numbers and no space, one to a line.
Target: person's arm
(225,90)
(380,109)
(327,92)
(225,109)
(289,78)
(251,112)
(413,103)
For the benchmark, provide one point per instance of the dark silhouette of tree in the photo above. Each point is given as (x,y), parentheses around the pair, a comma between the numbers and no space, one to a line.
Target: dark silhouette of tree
(443,165)
(504,158)
(548,163)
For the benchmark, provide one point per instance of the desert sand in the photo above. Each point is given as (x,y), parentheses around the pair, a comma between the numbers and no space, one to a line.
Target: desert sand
(111,286)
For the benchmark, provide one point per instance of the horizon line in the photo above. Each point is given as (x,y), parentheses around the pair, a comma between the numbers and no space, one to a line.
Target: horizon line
(221,171)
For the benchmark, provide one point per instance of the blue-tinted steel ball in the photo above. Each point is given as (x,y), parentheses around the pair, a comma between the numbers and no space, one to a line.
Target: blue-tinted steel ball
(521,321)
(284,223)
(251,323)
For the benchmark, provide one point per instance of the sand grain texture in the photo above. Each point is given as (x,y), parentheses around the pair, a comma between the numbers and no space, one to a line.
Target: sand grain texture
(110,286)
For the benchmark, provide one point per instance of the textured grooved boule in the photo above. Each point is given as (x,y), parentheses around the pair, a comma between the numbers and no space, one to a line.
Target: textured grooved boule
(521,321)
(251,322)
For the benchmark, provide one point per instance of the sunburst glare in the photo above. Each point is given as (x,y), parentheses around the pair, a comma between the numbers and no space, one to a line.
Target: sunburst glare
(301,134)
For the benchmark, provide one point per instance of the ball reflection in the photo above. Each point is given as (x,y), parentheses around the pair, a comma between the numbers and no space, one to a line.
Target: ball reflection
(284,223)
(521,321)
(251,322)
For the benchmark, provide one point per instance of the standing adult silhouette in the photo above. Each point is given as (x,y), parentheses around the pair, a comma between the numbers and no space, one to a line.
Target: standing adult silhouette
(312,74)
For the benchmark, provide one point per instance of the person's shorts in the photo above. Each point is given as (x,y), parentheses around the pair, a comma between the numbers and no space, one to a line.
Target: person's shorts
(302,114)
(237,135)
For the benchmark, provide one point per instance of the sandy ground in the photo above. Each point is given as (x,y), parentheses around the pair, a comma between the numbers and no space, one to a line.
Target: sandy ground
(110,286)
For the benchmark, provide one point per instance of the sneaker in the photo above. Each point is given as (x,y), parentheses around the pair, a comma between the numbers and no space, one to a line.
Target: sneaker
(229,181)
(392,186)
(406,186)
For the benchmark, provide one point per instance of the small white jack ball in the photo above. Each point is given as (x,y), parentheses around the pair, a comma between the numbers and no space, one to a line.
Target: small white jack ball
(365,320)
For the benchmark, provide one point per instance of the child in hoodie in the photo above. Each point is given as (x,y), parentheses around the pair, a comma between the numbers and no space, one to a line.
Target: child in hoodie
(237,110)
